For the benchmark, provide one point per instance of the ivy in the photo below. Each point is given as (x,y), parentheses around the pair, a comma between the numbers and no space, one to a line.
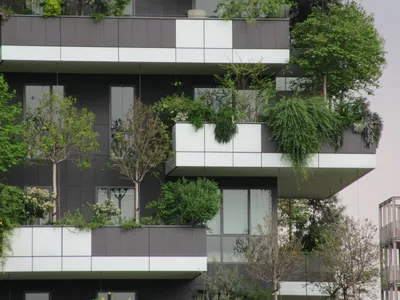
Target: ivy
(51,8)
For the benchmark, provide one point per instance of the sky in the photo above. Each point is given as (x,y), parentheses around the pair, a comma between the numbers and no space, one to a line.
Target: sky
(363,197)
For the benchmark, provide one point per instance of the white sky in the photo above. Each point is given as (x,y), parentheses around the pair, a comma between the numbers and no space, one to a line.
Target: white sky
(364,196)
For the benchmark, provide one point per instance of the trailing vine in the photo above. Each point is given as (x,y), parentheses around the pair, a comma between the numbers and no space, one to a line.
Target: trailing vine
(301,127)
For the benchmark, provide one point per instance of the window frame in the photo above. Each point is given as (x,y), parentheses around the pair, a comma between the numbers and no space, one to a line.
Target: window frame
(38,292)
(116,187)
(243,183)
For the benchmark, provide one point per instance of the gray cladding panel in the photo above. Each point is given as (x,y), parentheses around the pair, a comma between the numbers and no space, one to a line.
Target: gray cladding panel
(262,34)
(149,241)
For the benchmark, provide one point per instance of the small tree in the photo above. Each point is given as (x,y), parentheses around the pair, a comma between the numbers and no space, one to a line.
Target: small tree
(141,144)
(13,148)
(335,62)
(349,260)
(56,131)
(271,255)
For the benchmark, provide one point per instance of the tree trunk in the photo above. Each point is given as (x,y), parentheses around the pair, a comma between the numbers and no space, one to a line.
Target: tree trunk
(55,191)
(275,290)
(137,201)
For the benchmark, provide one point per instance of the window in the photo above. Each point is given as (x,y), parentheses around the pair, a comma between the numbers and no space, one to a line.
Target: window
(128,11)
(123,197)
(33,93)
(117,295)
(242,210)
(48,218)
(37,296)
(214,96)
(121,100)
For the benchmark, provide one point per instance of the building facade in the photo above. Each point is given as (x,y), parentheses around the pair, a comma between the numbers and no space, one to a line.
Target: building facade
(107,64)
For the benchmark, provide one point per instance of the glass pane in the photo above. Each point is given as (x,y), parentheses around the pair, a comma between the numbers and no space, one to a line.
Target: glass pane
(214,225)
(33,95)
(214,248)
(228,250)
(215,96)
(260,208)
(117,296)
(37,296)
(125,200)
(121,100)
(235,214)
(128,9)
(102,194)
(127,99)
(58,90)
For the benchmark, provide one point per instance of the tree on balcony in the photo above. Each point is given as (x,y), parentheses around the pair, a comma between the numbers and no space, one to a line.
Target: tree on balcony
(340,51)
(349,267)
(13,149)
(56,131)
(140,144)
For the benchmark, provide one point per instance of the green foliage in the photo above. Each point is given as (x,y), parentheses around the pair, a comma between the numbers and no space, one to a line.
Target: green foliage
(227,284)
(58,130)
(119,7)
(51,8)
(5,12)
(38,203)
(179,108)
(301,127)
(309,220)
(225,124)
(13,149)
(187,202)
(251,10)
(105,8)
(104,212)
(11,206)
(98,16)
(130,224)
(355,113)
(342,45)
(78,221)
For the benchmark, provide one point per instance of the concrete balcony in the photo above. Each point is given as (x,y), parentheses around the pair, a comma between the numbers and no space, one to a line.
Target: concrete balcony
(252,153)
(159,252)
(125,42)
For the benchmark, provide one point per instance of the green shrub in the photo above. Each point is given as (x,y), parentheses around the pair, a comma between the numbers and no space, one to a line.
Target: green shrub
(187,202)
(38,203)
(225,124)
(301,127)
(51,8)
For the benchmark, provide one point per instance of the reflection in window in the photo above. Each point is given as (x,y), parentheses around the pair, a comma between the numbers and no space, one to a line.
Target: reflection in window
(215,97)
(34,93)
(214,248)
(124,199)
(37,296)
(235,211)
(117,295)
(260,209)
(121,100)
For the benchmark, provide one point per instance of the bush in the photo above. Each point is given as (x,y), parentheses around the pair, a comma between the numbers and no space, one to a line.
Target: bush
(51,8)
(104,212)
(301,127)
(187,202)
(37,204)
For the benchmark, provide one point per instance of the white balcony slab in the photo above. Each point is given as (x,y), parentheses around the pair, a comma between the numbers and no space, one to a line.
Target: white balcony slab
(46,241)
(74,264)
(18,264)
(299,288)
(178,264)
(247,138)
(147,55)
(190,33)
(31,53)
(191,159)
(184,55)
(21,242)
(218,34)
(46,264)
(109,263)
(219,159)
(218,56)
(76,242)
(247,160)
(189,139)
(92,54)
(211,145)
(266,56)
(347,161)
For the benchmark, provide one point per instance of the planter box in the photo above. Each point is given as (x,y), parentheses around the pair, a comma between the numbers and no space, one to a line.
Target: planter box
(252,152)
(108,249)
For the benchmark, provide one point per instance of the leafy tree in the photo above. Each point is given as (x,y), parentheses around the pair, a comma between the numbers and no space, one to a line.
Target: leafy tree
(56,131)
(250,10)
(225,283)
(335,62)
(141,144)
(301,9)
(270,254)
(309,220)
(13,149)
(188,202)
(349,266)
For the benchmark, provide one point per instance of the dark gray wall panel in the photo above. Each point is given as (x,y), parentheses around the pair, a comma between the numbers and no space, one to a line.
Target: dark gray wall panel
(87,289)
(353,143)
(262,34)
(168,34)
(149,241)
